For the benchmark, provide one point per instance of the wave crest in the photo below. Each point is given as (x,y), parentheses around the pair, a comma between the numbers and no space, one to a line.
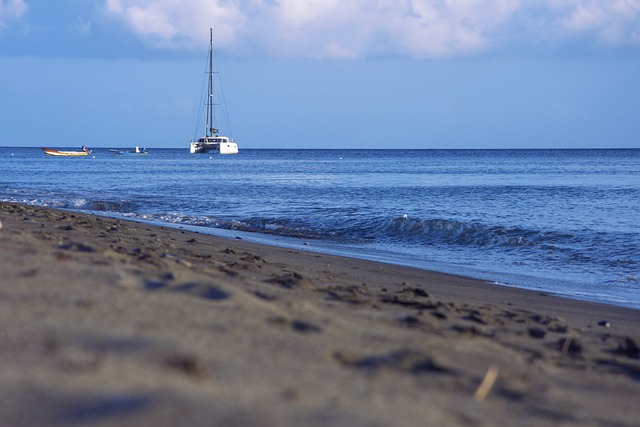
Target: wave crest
(445,231)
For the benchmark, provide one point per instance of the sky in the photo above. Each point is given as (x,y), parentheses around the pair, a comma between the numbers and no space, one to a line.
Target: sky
(384,74)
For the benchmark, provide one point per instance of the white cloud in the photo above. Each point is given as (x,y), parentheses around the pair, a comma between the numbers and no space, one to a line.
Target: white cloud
(361,28)
(180,23)
(612,22)
(11,9)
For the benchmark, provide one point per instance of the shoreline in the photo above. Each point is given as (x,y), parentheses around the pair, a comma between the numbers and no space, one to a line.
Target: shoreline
(123,322)
(346,251)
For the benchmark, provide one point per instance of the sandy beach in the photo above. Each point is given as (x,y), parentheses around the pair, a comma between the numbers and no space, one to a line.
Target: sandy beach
(116,323)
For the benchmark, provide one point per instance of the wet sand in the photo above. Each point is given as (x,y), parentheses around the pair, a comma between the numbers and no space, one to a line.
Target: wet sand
(116,323)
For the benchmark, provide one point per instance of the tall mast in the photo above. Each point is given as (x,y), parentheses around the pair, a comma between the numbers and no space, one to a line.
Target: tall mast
(210,128)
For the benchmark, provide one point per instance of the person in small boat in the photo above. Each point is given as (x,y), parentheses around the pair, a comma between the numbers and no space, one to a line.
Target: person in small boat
(84,148)
(137,149)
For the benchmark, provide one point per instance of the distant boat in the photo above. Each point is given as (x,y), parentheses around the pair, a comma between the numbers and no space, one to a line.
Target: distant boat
(212,140)
(137,151)
(59,153)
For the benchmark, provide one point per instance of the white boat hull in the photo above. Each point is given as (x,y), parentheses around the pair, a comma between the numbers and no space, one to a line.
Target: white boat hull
(58,153)
(229,148)
(221,148)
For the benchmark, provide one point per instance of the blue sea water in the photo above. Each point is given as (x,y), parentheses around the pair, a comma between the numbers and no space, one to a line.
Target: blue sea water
(558,221)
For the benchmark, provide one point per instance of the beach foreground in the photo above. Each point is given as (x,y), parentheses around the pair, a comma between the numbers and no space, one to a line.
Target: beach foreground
(110,322)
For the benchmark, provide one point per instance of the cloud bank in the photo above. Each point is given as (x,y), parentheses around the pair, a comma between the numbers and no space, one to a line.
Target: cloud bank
(351,29)
(11,9)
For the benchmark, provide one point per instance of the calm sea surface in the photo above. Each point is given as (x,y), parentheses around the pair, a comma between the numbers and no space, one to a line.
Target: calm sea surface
(558,221)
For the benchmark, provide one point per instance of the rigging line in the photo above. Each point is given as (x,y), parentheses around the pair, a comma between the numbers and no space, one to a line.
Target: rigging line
(201,103)
(225,112)
(223,103)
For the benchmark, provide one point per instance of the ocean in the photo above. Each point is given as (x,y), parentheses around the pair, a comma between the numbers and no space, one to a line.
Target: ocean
(563,222)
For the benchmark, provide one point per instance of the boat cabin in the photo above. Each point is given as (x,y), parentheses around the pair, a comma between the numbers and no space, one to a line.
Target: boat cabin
(213,139)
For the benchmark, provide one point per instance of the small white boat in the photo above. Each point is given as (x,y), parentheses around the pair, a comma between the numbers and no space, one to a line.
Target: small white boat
(61,153)
(136,152)
(212,141)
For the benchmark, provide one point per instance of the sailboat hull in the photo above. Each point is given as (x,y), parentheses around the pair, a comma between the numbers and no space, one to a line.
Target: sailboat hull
(225,147)
(229,148)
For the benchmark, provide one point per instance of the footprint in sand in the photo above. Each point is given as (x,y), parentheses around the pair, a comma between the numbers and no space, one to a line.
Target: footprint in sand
(297,325)
(291,280)
(202,290)
(407,361)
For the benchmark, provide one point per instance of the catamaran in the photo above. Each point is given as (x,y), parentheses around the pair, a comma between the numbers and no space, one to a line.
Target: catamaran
(212,140)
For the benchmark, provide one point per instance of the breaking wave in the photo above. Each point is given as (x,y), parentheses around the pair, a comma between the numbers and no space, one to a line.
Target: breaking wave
(453,232)
(581,248)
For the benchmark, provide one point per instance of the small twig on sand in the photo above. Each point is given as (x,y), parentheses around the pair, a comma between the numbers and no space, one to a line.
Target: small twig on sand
(487,383)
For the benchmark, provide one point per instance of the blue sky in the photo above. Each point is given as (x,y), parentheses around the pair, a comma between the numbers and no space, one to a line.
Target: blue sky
(323,73)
